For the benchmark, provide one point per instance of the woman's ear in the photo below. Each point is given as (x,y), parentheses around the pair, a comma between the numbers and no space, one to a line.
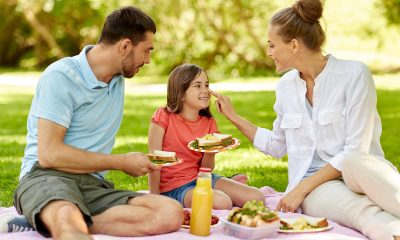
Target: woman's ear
(295,45)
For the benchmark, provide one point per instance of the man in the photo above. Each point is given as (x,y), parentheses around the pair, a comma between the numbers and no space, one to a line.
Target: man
(74,117)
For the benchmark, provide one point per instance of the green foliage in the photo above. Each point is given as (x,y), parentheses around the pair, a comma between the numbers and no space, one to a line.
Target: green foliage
(228,38)
(392,10)
(255,106)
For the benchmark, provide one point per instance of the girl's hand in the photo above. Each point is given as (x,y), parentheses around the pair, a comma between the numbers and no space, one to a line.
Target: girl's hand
(291,201)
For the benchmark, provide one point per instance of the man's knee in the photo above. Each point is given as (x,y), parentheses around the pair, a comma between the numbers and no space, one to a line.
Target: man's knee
(167,214)
(57,210)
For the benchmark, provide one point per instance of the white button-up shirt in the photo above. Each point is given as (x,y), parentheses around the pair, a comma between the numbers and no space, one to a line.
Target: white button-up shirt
(344,118)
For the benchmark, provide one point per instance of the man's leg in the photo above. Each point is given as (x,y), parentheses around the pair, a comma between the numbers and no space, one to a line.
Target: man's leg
(143,215)
(64,220)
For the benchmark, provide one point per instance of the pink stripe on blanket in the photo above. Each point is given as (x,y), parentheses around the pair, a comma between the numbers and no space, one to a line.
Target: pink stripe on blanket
(272,198)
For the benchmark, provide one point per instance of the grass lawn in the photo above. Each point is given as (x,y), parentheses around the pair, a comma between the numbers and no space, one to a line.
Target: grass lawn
(255,106)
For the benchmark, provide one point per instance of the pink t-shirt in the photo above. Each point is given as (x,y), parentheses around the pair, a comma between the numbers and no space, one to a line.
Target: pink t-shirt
(178,133)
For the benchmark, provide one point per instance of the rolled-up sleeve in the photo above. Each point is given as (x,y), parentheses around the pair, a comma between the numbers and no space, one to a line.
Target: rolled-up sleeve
(271,142)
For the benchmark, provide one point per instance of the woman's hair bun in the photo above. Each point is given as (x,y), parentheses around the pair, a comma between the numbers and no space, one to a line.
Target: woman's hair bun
(310,11)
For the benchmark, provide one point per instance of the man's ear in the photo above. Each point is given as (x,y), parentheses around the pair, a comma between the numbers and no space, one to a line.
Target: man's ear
(124,46)
(295,44)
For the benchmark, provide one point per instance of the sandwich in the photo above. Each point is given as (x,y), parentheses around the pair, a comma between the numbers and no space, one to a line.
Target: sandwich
(213,141)
(303,223)
(253,214)
(162,157)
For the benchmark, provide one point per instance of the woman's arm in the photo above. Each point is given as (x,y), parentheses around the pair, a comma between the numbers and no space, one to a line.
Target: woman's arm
(269,142)
(225,107)
(293,199)
(156,136)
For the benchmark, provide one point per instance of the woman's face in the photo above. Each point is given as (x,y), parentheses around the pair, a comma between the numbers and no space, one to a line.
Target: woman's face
(197,95)
(281,52)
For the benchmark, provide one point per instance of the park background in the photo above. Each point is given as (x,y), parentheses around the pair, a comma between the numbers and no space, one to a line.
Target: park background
(226,37)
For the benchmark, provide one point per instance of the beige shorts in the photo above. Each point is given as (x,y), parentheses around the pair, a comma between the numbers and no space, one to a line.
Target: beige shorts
(40,186)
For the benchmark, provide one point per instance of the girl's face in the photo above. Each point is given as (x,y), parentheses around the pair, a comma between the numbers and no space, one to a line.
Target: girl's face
(281,52)
(197,96)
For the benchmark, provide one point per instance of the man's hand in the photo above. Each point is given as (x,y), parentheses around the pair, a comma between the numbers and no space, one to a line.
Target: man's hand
(137,164)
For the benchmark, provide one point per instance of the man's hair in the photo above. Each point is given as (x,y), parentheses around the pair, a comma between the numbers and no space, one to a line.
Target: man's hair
(127,22)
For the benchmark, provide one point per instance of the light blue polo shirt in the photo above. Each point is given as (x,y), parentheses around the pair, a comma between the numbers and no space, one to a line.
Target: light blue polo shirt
(69,94)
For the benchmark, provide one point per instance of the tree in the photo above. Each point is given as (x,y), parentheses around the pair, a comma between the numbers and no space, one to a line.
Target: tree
(392,10)
(221,36)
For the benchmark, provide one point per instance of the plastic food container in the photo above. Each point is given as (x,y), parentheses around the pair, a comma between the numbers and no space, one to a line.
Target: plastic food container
(251,233)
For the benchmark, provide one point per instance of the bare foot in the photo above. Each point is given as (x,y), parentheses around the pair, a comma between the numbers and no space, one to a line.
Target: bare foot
(241,178)
(396,237)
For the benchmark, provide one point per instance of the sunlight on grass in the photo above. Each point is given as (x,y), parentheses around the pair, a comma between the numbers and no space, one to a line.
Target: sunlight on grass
(387,81)
(132,136)
(130,140)
(13,138)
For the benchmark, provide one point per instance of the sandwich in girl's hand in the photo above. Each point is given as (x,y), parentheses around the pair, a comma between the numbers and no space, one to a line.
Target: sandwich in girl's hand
(213,141)
(162,157)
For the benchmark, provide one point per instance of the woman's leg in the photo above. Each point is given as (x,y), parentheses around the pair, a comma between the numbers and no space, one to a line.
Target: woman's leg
(335,201)
(238,192)
(376,178)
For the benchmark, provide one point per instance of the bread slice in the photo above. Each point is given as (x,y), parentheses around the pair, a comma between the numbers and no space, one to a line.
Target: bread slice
(303,222)
(161,157)
(226,139)
(215,141)
(317,222)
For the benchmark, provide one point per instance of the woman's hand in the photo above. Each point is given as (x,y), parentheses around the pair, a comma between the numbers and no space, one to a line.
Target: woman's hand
(223,104)
(225,107)
(292,200)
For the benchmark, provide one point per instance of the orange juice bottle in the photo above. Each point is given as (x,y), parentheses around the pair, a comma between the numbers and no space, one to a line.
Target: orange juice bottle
(202,201)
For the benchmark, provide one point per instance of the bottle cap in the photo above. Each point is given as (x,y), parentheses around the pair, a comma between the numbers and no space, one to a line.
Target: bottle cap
(203,169)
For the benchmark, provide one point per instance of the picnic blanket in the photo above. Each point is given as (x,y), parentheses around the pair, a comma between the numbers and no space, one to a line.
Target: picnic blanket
(272,198)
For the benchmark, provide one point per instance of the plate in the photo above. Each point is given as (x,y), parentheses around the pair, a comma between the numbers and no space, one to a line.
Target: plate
(236,143)
(212,226)
(306,230)
(170,164)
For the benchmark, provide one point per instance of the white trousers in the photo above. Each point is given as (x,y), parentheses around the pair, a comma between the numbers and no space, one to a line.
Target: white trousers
(368,199)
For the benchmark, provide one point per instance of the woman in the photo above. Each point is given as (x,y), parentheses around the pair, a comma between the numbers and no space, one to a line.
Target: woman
(328,124)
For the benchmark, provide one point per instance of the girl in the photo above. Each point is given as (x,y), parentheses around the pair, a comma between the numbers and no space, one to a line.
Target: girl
(186,117)
(328,124)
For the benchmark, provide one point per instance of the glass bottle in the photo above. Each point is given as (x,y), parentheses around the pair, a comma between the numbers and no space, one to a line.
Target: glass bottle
(202,202)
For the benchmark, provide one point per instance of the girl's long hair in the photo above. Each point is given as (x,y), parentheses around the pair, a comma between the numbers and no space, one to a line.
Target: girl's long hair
(178,82)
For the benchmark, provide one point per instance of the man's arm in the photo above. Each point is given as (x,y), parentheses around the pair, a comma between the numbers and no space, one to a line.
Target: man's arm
(54,153)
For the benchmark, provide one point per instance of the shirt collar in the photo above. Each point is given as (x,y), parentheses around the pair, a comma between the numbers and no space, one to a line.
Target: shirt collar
(327,68)
(87,72)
